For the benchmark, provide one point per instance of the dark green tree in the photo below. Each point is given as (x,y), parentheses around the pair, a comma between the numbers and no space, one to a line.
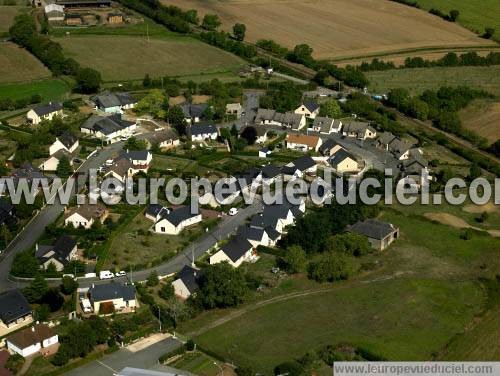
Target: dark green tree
(239,31)
(88,81)
(210,22)
(64,169)
(295,259)
(153,279)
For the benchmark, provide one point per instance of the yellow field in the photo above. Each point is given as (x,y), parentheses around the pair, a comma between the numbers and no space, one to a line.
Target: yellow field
(17,64)
(483,117)
(337,28)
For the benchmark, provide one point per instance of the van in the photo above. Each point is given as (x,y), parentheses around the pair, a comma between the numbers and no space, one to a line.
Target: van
(86,306)
(106,274)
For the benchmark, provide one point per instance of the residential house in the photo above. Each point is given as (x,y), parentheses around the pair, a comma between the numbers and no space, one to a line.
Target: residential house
(276,217)
(58,254)
(326,125)
(321,92)
(234,252)
(202,133)
(298,168)
(44,112)
(248,180)
(380,234)
(119,296)
(400,149)
(343,161)
(115,18)
(36,339)
(359,130)
(270,173)
(193,113)
(130,163)
(309,109)
(261,133)
(15,310)
(108,128)
(52,162)
(114,102)
(417,169)
(288,120)
(29,174)
(85,3)
(173,222)
(264,152)
(235,109)
(140,159)
(85,215)
(155,211)
(54,12)
(302,142)
(186,282)
(66,141)
(165,139)
(329,148)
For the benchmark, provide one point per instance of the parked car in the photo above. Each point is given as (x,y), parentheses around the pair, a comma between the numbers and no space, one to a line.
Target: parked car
(233,211)
(106,274)
(121,273)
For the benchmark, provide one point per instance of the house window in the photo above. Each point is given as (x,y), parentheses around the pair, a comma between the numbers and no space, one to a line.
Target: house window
(163,229)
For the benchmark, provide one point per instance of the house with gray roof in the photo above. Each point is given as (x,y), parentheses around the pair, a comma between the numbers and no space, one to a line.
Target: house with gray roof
(234,252)
(380,234)
(201,133)
(44,112)
(326,125)
(114,103)
(15,310)
(118,295)
(174,221)
(186,282)
(289,119)
(58,254)
(308,108)
(359,130)
(343,161)
(108,128)
(329,147)
(193,113)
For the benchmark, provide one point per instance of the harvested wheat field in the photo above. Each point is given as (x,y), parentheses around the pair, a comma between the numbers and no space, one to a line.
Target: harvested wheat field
(337,28)
(483,117)
(17,64)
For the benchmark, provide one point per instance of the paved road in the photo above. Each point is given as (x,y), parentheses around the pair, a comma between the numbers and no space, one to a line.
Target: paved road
(113,363)
(49,214)
(250,104)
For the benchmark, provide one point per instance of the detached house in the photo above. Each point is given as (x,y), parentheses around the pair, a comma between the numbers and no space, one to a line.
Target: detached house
(202,133)
(235,252)
(117,296)
(302,142)
(66,142)
(15,310)
(359,130)
(186,282)
(380,234)
(108,128)
(298,168)
(329,148)
(235,109)
(165,139)
(155,211)
(399,148)
(85,215)
(309,109)
(54,12)
(59,254)
(37,339)
(326,125)
(343,161)
(173,222)
(114,102)
(44,112)
(193,113)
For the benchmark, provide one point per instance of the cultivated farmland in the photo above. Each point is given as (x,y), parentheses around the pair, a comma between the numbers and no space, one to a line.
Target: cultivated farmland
(7,14)
(337,28)
(483,117)
(17,64)
(419,79)
(128,58)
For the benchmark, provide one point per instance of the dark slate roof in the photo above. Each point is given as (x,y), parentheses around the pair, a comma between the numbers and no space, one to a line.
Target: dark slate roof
(311,106)
(13,306)
(340,156)
(193,110)
(270,171)
(372,228)
(303,163)
(113,290)
(248,177)
(272,233)
(153,209)
(45,109)
(195,130)
(190,277)
(106,124)
(289,170)
(136,155)
(67,139)
(61,248)
(249,232)
(236,248)
(107,100)
(326,146)
(27,171)
(179,215)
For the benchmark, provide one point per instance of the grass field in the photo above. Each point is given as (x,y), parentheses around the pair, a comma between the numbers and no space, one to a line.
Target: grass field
(423,295)
(49,89)
(483,117)
(336,28)
(475,15)
(7,14)
(127,58)
(419,79)
(16,64)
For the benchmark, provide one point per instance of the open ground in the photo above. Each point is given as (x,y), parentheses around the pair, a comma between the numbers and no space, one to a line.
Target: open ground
(127,58)
(483,117)
(17,64)
(337,28)
(50,89)
(416,80)
(7,14)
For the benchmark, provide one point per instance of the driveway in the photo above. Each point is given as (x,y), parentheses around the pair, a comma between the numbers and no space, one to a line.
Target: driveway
(111,364)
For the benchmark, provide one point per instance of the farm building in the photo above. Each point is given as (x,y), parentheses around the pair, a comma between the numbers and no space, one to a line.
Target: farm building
(380,234)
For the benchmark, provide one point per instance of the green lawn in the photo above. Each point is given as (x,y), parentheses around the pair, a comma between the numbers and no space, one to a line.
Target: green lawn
(419,79)
(474,15)
(197,363)
(49,89)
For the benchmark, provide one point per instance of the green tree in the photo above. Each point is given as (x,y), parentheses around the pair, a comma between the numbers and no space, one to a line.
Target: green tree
(37,289)
(295,259)
(167,291)
(154,103)
(14,363)
(330,267)
(210,22)
(134,143)
(488,33)
(42,312)
(64,169)
(153,279)
(349,244)
(454,15)
(330,109)
(175,116)
(222,286)
(88,81)
(250,135)
(68,285)
(146,82)
(192,16)
(239,31)
(474,171)
(25,265)
(302,53)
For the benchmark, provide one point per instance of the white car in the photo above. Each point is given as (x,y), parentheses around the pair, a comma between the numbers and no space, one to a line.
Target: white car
(106,274)
(232,211)
(121,273)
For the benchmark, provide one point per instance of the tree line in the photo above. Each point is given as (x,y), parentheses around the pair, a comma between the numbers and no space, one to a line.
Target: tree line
(50,53)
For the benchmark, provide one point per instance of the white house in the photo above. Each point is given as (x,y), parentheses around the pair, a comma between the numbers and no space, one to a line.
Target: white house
(66,141)
(165,139)
(52,162)
(326,125)
(108,128)
(302,142)
(359,130)
(114,102)
(36,339)
(193,113)
(85,215)
(202,132)
(309,109)
(288,119)
(173,222)
(235,252)
(44,112)
(59,254)
(234,109)
(120,296)
(186,282)
(264,152)
(342,161)
(154,212)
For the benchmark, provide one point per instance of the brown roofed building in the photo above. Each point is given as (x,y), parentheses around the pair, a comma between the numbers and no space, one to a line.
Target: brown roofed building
(36,339)
(303,142)
(85,215)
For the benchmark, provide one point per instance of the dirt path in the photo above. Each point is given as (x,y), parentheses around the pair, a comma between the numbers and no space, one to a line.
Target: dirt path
(454,221)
